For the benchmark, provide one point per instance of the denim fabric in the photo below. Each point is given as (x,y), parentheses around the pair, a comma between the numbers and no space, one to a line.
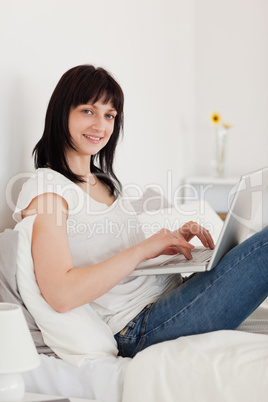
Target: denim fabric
(214,300)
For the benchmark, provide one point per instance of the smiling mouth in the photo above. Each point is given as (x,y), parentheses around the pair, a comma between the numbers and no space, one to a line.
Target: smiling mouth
(92,137)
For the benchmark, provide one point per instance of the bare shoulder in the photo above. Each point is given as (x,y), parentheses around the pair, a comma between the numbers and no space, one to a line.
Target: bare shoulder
(46,204)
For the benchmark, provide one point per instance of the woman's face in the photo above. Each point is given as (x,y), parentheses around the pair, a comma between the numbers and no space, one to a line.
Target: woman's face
(91,126)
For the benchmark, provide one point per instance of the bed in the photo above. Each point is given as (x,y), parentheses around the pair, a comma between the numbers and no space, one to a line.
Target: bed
(219,366)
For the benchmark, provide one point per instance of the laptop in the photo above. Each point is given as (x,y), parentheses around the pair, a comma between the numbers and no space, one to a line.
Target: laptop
(247,214)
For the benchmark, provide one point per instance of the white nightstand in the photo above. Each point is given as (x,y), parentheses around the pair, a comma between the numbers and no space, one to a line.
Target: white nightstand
(216,191)
(29,397)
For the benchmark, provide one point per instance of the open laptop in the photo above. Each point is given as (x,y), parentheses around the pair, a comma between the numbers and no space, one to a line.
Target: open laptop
(247,214)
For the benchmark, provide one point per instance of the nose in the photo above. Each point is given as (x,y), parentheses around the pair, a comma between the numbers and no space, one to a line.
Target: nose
(98,123)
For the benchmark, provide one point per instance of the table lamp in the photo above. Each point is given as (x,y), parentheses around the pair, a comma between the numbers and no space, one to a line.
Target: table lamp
(17,352)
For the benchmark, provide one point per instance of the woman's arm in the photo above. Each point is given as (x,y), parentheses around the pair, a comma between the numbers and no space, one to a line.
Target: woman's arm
(65,287)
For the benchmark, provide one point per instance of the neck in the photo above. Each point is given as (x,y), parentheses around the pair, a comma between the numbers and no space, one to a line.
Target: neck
(80,165)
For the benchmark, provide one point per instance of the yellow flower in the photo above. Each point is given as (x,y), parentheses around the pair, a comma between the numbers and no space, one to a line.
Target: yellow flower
(215,118)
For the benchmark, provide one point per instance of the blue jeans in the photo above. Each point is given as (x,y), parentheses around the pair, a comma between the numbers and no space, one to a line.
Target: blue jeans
(210,301)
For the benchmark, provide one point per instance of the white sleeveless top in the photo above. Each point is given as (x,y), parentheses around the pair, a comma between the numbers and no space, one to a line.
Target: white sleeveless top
(96,232)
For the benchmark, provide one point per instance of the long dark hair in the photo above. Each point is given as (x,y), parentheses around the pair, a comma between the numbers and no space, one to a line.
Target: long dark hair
(80,85)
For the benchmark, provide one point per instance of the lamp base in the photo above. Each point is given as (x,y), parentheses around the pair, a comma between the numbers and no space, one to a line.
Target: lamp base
(11,387)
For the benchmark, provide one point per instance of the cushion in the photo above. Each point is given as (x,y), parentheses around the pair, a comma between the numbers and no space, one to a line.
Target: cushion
(151,200)
(74,336)
(8,286)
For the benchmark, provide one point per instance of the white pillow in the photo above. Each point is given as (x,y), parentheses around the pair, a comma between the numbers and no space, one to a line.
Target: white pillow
(74,336)
(151,200)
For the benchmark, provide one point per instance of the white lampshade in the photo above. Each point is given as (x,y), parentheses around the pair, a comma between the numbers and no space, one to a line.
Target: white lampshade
(17,351)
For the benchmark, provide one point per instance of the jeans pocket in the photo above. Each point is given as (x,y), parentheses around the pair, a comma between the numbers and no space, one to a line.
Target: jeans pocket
(130,337)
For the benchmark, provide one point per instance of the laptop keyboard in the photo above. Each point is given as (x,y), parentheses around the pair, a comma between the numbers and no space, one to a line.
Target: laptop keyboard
(201,255)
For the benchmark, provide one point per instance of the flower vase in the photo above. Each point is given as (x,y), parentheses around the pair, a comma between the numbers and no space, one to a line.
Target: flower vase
(219,162)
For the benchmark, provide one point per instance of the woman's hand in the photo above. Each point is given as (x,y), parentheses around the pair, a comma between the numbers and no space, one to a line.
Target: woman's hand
(165,242)
(169,243)
(190,230)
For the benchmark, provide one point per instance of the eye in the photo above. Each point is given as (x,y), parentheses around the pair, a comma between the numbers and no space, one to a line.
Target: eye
(110,116)
(87,111)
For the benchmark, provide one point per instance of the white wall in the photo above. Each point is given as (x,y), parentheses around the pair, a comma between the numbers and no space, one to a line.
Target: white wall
(231,53)
(176,60)
(148,45)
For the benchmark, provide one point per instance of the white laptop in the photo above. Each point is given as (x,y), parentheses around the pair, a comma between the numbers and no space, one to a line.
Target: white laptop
(248,201)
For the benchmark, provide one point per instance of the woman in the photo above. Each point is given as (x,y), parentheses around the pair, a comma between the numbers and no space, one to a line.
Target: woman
(77,257)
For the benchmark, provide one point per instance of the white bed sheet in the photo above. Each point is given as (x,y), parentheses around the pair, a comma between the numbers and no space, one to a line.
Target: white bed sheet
(223,366)
(101,379)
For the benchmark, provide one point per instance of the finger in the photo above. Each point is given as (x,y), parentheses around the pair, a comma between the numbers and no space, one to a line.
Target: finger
(187,231)
(170,250)
(186,252)
(206,238)
(191,229)
(179,242)
(176,240)
(210,240)
(183,247)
